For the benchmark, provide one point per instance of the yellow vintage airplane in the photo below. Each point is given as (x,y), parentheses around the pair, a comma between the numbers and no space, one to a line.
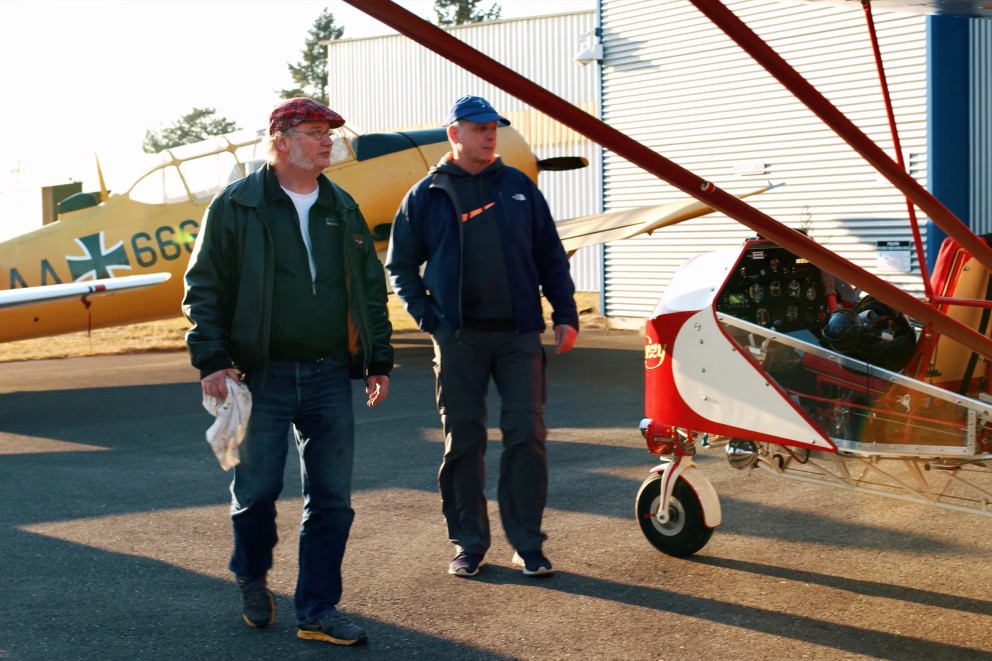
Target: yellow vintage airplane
(56,279)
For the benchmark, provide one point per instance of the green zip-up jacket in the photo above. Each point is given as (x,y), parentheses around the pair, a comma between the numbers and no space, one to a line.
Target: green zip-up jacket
(229,282)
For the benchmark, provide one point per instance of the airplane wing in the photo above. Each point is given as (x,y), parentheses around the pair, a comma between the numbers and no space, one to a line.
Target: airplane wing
(587,231)
(48,293)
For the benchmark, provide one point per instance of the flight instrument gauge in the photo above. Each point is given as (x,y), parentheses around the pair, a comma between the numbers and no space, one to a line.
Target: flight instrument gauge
(756,292)
(794,288)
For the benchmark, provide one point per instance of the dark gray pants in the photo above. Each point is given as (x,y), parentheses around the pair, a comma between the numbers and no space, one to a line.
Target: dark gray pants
(463,367)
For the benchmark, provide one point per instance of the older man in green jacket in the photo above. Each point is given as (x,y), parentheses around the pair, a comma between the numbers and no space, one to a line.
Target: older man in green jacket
(284,291)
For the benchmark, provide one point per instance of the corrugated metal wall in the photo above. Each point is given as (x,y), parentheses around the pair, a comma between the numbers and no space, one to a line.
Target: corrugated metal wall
(981,130)
(392,83)
(675,82)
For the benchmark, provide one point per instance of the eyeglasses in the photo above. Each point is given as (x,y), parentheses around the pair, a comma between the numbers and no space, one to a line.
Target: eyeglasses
(316,134)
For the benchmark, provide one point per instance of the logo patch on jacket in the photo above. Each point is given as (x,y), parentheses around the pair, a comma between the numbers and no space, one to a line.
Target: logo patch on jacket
(520,197)
(359,240)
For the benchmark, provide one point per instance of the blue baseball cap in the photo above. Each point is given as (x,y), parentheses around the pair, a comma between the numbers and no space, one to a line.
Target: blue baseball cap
(474,109)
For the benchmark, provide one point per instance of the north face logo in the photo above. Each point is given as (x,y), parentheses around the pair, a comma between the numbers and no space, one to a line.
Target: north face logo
(520,197)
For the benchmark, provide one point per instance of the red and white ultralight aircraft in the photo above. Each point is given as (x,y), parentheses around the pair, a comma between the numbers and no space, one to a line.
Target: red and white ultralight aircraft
(762,349)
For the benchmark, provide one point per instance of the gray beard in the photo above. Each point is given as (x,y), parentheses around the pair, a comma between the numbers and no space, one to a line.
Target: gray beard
(297,158)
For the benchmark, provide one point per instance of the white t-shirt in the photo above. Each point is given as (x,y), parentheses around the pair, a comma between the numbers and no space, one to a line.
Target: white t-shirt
(303,203)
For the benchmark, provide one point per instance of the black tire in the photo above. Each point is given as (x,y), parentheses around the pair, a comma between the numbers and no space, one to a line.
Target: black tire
(685,533)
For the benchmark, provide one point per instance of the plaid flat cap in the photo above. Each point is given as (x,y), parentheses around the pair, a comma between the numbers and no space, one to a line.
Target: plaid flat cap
(296,111)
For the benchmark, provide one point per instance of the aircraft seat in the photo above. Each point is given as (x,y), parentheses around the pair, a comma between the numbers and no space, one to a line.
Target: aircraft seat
(958,274)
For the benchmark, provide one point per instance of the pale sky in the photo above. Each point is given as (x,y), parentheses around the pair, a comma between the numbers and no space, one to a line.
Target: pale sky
(92,76)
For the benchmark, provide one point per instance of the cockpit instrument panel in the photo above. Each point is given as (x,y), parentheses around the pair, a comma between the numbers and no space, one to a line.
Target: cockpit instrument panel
(772,287)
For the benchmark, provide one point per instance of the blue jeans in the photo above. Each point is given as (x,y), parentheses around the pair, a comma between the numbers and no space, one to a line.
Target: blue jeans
(314,400)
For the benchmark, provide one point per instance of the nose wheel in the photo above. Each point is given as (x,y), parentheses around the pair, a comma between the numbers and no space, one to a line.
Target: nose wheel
(685,531)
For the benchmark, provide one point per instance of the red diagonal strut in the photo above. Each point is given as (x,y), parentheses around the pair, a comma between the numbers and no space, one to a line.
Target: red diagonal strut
(897,146)
(508,80)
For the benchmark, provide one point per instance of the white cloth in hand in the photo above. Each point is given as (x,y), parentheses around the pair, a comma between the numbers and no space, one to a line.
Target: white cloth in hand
(225,435)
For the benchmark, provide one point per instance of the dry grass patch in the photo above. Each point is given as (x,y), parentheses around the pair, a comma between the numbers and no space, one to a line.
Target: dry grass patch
(167,335)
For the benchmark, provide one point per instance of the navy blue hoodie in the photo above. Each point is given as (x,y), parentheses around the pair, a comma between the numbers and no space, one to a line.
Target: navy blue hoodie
(428,230)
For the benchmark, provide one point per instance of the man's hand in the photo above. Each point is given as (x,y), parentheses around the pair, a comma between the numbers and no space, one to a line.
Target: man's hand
(214,384)
(565,337)
(377,388)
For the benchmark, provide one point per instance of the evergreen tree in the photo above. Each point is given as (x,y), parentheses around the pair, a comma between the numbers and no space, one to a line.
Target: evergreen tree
(460,12)
(310,73)
(198,125)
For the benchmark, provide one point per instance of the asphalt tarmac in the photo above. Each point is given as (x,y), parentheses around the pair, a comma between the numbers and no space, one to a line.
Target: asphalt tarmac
(114,537)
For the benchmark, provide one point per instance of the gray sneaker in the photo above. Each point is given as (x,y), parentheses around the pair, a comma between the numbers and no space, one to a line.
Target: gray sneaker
(333,628)
(258,607)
